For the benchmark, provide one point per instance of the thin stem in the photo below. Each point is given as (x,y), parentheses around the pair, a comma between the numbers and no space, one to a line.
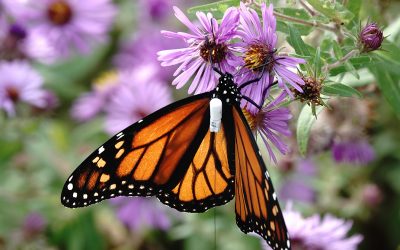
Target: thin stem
(307,8)
(341,60)
(304,22)
(335,29)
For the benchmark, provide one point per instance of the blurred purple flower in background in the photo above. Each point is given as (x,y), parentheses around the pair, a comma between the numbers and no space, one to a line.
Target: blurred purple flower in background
(372,195)
(316,233)
(88,105)
(34,223)
(259,48)
(272,122)
(136,97)
(12,39)
(142,49)
(19,82)
(69,25)
(353,151)
(157,10)
(297,185)
(141,213)
(194,60)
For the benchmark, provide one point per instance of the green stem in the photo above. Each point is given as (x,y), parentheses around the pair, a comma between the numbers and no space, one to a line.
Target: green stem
(335,29)
(342,60)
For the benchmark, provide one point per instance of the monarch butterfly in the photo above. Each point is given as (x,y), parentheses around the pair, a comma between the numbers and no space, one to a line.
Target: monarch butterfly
(189,162)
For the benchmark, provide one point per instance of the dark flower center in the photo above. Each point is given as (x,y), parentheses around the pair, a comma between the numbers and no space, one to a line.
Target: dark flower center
(218,51)
(299,244)
(12,93)
(140,113)
(259,56)
(16,31)
(59,12)
(311,91)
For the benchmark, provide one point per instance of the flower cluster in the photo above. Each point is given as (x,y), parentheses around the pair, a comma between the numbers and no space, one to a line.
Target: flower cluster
(213,44)
(244,45)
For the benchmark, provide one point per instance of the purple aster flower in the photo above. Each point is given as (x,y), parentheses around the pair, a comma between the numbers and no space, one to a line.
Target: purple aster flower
(353,151)
(88,105)
(194,59)
(370,37)
(271,122)
(71,24)
(138,213)
(259,48)
(316,233)
(297,185)
(34,223)
(142,49)
(12,39)
(135,98)
(19,82)
(157,10)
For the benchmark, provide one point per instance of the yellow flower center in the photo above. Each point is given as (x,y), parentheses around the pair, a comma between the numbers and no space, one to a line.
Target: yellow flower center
(259,56)
(105,80)
(59,12)
(251,119)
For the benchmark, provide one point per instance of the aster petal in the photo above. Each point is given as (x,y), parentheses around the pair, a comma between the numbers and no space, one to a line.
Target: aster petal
(197,78)
(182,17)
(290,77)
(204,20)
(182,79)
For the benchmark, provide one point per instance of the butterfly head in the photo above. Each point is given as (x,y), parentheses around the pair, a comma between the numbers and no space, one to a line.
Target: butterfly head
(227,90)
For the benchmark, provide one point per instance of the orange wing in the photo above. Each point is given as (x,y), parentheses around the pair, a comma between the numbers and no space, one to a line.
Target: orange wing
(256,204)
(169,154)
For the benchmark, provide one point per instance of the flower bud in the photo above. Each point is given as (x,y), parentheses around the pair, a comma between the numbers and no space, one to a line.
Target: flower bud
(370,37)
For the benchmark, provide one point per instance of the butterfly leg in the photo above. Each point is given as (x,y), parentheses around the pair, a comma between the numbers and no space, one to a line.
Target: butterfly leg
(252,102)
(253,80)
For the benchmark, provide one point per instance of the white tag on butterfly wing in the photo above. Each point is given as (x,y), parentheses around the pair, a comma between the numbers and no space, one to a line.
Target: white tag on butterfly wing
(215,114)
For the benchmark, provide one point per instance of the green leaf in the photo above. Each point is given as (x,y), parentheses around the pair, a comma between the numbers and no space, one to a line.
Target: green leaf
(350,68)
(217,8)
(354,6)
(297,43)
(338,89)
(334,10)
(300,47)
(283,25)
(304,124)
(337,50)
(389,85)
(356,62)
(317,63)
(390,53)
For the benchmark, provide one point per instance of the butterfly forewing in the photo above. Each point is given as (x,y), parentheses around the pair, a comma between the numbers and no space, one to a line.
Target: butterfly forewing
(160,155)
(256,204)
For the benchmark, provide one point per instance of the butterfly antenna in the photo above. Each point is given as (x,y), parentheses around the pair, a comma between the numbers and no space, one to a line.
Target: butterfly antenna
(213,36)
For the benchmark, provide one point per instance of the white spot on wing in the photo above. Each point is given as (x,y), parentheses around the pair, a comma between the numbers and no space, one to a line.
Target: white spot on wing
(120,135)
(70,186)
(101,149)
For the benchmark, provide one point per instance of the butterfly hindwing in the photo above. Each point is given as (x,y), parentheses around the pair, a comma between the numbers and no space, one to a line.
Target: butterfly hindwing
(256,204)
(169,154)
